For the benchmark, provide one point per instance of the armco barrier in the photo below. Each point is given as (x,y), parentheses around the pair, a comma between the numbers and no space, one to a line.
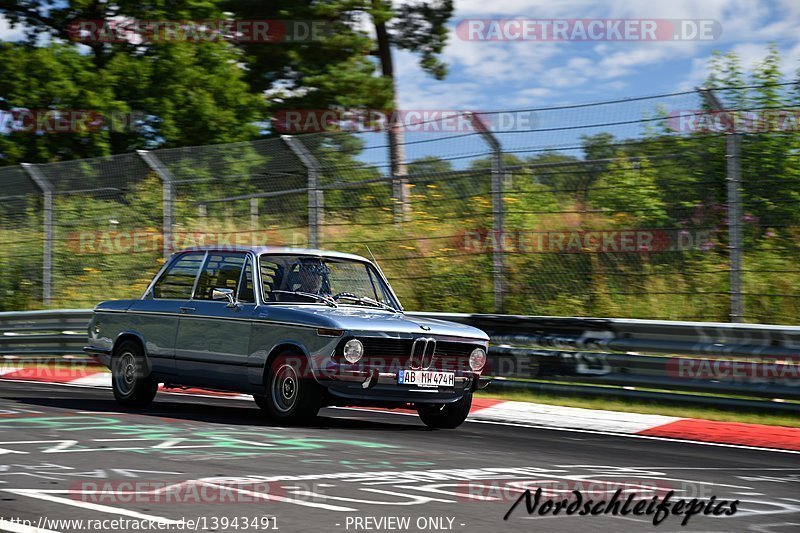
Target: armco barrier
(703,363)
(42,333)
(695,362)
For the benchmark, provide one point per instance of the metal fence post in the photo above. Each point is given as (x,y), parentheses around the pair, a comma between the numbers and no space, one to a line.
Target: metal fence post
(399,171)
(498,212)
(253,214)
(47,252)
(734,198)
(316,199)
(168,196)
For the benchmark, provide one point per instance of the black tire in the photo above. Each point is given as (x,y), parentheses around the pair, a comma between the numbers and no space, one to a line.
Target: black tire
(292,395)
(132,388)
(445,416)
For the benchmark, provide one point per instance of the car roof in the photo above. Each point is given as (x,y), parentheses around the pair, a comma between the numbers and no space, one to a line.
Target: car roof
(259,250)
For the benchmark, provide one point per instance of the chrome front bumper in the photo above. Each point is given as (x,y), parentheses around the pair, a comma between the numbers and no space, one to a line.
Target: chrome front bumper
(374,386)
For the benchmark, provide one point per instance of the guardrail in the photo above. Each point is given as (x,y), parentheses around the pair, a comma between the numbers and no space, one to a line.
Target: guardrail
(702,363)
(41,333)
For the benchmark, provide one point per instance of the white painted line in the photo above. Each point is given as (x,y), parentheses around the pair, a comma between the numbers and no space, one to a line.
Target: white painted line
(14,527)
(100,379)
(571,417)
(245,397)
(33,493)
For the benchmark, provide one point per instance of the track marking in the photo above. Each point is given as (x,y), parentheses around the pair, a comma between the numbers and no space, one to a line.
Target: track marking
(498,423)
(48,496)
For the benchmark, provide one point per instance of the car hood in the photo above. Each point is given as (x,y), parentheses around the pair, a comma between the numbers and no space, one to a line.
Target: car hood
(369,320)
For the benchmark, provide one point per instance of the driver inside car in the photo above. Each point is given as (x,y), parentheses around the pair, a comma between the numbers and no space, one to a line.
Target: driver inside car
(310,277)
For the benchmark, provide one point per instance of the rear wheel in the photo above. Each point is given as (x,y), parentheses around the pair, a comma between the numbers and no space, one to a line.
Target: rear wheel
(292,394)
(128,381)
(445,416)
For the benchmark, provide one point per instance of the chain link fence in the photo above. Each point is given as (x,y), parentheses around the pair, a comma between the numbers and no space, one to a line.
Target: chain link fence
(678,206)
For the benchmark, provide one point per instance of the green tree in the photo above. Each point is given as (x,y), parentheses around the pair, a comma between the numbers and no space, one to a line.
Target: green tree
(629,189)
(182,92)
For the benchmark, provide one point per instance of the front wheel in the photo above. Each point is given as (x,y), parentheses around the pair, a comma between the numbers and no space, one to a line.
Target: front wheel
(131,387)
(292,394)
(445,416)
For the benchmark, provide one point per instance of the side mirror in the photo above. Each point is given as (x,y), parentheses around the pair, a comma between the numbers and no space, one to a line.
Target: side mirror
(222,294)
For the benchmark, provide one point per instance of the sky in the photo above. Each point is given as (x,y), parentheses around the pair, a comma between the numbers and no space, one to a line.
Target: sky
(524,74)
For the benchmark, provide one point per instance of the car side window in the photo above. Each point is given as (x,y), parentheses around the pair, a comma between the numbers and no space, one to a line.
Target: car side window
(221,271)
(246,293)
(178,281)
(271,276)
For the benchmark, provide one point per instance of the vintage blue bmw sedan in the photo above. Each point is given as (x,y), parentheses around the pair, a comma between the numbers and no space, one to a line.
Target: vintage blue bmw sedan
(298,329)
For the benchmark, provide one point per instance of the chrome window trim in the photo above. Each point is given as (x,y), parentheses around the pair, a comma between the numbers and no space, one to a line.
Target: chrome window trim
(197,277)
(241,275)
(205,262)
(257,288)
(162,272)
(158,276)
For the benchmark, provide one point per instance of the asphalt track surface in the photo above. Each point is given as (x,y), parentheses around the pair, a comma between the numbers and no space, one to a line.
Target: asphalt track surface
(71,453)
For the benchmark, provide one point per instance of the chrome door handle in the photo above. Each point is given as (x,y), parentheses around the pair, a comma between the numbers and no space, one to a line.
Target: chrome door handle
(185,310)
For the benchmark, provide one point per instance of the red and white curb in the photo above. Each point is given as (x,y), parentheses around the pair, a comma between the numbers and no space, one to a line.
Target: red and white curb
(513,413)
(688,429)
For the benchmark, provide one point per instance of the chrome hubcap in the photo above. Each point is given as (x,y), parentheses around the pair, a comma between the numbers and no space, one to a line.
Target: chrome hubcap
(284,388)
(126,373)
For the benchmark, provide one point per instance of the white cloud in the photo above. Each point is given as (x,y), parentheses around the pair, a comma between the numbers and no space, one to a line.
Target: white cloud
(536,70)
(527,97)
(418,90)
(7,33)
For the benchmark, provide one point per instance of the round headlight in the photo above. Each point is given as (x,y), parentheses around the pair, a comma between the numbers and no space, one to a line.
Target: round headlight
(353,350)
(477,359)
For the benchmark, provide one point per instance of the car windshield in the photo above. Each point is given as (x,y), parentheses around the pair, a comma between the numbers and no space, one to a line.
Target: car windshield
(331,281)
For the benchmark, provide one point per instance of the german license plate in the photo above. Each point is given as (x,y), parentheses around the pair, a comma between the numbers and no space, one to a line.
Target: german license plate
(426,378)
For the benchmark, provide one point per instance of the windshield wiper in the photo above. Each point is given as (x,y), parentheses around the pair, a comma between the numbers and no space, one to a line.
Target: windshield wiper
(327,299)
(368,300)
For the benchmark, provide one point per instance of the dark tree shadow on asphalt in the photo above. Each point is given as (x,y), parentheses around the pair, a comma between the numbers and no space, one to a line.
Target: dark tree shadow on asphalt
(238,413)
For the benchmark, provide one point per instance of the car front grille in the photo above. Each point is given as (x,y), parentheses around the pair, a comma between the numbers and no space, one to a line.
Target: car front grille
(395,354)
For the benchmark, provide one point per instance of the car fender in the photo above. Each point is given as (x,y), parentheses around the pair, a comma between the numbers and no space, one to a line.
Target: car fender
(128,334)
(257,364)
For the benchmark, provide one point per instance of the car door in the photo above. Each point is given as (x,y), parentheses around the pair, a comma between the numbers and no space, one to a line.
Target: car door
(212,343)
(155,317)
